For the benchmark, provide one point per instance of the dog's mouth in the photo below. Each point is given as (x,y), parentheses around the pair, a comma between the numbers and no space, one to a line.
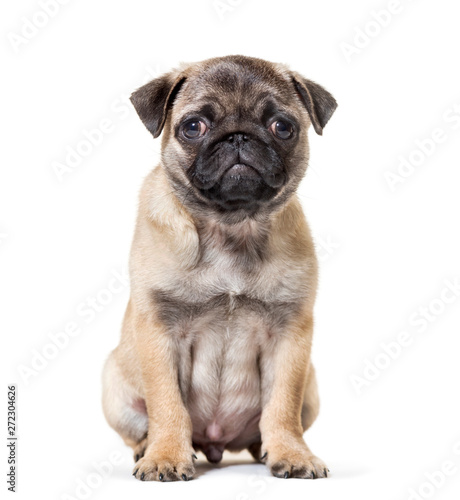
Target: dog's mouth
(241,186)
(241,171)
(245,173)
(237,172)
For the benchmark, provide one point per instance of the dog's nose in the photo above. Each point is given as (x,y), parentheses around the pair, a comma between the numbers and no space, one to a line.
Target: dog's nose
(238,137)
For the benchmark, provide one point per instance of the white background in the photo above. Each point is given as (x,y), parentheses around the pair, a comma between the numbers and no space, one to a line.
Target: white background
(384,253)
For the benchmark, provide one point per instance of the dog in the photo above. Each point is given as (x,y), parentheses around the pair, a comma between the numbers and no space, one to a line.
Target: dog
(216,339)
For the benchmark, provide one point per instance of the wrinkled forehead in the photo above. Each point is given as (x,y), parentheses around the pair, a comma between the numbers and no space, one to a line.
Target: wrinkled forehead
(226,88)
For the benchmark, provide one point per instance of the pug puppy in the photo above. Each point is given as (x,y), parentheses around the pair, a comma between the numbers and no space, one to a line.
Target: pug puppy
(215,345)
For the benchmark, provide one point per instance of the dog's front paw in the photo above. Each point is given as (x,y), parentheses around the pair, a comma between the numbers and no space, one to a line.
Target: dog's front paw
(158,466)
(293,459)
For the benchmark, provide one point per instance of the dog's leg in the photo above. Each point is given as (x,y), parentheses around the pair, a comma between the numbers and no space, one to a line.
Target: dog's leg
(169,454)
(285,371)
(254,450)
(310,405)
(123,407)
(310,408)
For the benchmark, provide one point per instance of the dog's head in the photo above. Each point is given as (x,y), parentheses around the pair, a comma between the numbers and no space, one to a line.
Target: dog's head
(234,132)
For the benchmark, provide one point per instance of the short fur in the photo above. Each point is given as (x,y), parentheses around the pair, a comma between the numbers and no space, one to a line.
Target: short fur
(216,340)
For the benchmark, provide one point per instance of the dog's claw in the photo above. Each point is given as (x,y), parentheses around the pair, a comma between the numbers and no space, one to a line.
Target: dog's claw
(313,475)
(184,477)
(161,476)
(135,472)
(142,476)
(286,475)
(325,472)
(194,456)
(264,456)
(137,457)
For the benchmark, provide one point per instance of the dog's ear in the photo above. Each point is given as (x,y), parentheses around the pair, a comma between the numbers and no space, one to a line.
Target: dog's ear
(319,102)
(153,101)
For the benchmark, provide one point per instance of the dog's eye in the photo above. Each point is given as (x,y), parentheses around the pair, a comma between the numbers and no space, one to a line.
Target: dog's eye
(282,129)
(194,129)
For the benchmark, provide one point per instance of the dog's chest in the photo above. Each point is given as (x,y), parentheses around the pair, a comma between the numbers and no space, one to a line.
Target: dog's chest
(238,273)
(224,290)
